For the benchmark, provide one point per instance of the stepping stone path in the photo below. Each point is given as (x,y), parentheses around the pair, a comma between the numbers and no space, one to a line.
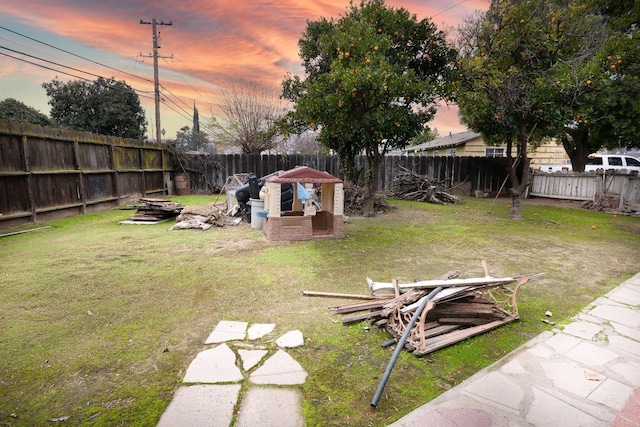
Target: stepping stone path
(213,383)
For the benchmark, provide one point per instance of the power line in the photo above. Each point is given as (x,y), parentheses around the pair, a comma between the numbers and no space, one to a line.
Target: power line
(61,65)
(449,8)
(74,54)
(177,106)
(49,62)
(184,103)
(43,66)
(178,109)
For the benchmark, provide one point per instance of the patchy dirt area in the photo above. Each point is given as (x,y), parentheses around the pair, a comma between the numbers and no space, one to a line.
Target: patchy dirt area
(239,243)
(556,203)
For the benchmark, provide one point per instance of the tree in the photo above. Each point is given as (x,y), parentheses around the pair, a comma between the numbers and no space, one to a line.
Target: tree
(372,79)
(600,91)
(11,109)
(247,119)
(506,91)
(105,106)
(425,136)
(300,143)
(190,139)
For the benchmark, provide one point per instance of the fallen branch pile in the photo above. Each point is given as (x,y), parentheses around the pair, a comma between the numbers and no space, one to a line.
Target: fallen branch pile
(409,185)
(354,196)
(460,309)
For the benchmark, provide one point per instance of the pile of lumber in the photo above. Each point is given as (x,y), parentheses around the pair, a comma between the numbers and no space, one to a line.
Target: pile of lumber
(153,211)
(409,185)
(460,309)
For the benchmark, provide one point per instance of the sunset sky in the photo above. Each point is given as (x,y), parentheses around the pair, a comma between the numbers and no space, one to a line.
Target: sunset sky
(213,44)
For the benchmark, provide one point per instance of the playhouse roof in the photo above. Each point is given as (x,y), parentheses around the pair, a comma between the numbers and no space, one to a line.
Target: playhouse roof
(304,174)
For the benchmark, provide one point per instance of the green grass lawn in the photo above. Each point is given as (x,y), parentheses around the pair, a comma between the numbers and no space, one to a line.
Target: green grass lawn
(99,321)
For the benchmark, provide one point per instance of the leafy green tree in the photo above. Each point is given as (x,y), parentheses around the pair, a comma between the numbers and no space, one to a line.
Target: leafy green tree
(600,91)
(11,109)
(425,136)
(191,139)
(105,106)
(509,60)
(372,79)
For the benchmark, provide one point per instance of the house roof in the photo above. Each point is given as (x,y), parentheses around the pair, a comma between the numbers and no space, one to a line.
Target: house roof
(304,174)
(449,141)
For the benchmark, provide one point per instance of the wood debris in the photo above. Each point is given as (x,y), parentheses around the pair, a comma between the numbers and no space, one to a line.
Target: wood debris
(461,308)
(354,197)
(203,217)
(153,211)
(602,204)
(409,185)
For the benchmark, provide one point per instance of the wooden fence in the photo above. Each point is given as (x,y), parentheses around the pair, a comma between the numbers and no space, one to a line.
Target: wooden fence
(586,186)
(210,172)
(47,173)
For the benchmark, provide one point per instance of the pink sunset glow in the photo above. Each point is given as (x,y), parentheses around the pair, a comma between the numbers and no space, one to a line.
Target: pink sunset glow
(210,44)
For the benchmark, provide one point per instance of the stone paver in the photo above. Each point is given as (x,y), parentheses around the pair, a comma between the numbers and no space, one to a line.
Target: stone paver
(291,339)
(584,330)
(227,330)
(591,355)
(280,368)
(251,358)
(215,365)
(259,330)
(270,407)
(624,315)
(546,408)
(209,402)
(510,395)
(201,405)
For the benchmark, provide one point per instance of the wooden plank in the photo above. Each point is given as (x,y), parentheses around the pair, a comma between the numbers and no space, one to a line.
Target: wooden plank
(463,321)
(442,329)
(436,343)
(360,317)
(351,308)
(447,283)
(347,296)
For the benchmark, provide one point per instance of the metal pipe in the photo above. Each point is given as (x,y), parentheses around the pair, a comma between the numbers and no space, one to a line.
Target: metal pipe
(24,231)
(389,343)
(400,346)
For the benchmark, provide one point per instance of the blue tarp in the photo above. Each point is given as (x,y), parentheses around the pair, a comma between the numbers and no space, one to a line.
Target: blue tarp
(303,194)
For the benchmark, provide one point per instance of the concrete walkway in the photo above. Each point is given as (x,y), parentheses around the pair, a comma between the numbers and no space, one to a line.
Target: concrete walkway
(586,373)
(235,373)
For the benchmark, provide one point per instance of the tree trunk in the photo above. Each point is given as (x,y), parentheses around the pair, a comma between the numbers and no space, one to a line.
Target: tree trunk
(578,149)
(371,185)
(518,186)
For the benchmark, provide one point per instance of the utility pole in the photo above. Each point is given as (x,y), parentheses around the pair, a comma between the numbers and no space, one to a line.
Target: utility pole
(156,83)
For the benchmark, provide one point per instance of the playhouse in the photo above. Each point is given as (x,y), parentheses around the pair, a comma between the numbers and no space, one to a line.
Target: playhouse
(309,218)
